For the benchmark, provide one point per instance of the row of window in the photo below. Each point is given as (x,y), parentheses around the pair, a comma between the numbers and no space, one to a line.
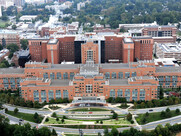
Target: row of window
(120,75)
(58,75)
(50,95)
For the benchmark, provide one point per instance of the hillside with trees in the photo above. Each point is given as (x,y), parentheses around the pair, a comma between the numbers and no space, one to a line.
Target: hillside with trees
(115,12)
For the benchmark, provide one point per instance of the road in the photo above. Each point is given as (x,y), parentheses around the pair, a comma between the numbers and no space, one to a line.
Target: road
(158,109)
(26,110)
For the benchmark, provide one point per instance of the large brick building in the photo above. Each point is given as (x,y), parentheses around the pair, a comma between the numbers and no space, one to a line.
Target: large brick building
(161,34)
(134,81)
(111,48)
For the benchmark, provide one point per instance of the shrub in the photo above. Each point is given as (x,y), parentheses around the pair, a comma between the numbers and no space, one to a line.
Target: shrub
(16,110)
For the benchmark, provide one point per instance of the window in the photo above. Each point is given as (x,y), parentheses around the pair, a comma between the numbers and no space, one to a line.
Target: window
(112,93)
(43,95)
(88,88)
(52,76)
(45,75)
(120,93)
(134,94)
(58,94)
(120,75)
(133,74)
(89,55)
(36,95)
(12,80)
(71,75)
(167,78)
(65,94)
(127,94)
(142,94)
(107,75)
(50,95)
(12,86)
(113,75)
(5,81)
(174,78)
(65,75)
(18,81)
(58,75)
(127,74)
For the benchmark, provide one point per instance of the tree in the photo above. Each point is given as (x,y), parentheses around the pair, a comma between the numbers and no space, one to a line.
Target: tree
(167,110)
(16,110)
(144,120)
(54,114)
(163,114)
(14,27)
(129,117)
(12,47)
(114,132)
(101,122)
(24,44)
(57,119)
(161,92)
(63,120)
(1,47)
(106,131)
(6,110)
(35,116)
(115,115)
(177,111)
(47,119)
(54,133)
(147,114)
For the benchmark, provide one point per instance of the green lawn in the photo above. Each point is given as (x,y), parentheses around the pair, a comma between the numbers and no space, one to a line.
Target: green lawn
(90,109)
(152,117)
(3,23)
(24,116)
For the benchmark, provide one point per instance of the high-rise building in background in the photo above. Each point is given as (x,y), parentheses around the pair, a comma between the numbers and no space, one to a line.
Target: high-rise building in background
(19,2)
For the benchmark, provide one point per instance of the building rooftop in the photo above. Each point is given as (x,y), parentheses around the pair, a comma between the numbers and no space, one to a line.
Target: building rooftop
(170,47)
(142,37)
(115,66)
(124,82)
(156,26)
(11,71)
(128,40)
(168,69)
(4,31)
(64,66)
(59,83)
(53,41)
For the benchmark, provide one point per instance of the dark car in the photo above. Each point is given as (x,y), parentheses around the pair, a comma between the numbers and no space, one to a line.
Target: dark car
(151,110)
(21,120)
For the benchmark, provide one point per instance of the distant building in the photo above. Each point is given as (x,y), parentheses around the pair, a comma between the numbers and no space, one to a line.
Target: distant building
(161,34)
(111,48)
(21,57)
(28,17)
(135,26)
(8,37)
(168,50)
(3,54)
(19,2)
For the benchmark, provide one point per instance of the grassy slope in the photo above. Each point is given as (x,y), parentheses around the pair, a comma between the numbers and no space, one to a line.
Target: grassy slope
(153,117)
(24,116)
